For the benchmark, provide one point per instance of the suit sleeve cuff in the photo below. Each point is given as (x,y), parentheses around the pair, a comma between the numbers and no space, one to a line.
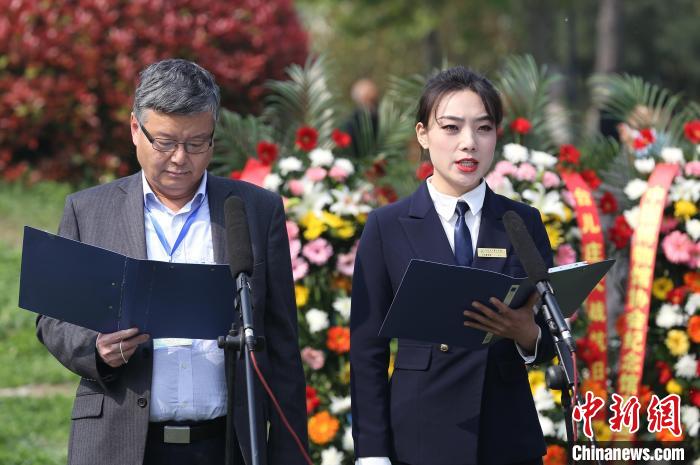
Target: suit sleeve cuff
(373,461)
(529,359)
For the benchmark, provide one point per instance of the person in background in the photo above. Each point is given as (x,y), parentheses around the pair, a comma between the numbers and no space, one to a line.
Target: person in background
(445,405)
(364,119)
(163,401)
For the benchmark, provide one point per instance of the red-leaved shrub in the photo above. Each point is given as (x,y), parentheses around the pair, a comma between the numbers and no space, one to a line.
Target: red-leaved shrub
(68,71)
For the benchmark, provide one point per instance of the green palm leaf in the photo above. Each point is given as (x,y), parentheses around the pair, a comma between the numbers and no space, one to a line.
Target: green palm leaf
(236,139)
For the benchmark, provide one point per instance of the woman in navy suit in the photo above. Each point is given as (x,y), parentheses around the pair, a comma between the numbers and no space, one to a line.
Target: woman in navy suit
(445,405)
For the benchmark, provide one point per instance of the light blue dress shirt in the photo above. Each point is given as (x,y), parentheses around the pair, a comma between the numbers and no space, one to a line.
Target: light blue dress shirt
(188,374)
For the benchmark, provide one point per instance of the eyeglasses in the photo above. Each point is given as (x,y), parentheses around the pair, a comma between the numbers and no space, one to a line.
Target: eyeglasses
(193,147)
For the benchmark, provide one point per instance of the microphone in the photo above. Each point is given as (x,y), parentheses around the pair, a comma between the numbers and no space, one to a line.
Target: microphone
(537,273)
(240,258)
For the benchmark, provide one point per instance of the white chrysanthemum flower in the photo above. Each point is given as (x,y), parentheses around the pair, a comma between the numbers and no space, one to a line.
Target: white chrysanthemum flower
(547,426)
(339,404)
(686,366)
(672,155)
(560,428)
(342,306)
(332,456)
(272,182)
(669,315)
(314,198)
(690,416)
(632,217)
(692,227)
(635,189)
(317,320)
(685,189)
(548,203)
(347,202)
(288,164)
(542,160)
(321,157)
(543,399)
(515,153)
(348,442)
(644,165)
(345,165)
(692,304)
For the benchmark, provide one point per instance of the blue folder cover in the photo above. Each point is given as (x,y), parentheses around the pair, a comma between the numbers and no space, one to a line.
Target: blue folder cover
(105,291)
(432,297)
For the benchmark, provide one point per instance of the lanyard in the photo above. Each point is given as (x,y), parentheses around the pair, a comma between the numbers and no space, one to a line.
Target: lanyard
(183,231)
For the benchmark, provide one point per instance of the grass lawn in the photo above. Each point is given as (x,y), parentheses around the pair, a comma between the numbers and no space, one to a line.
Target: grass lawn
(33,430)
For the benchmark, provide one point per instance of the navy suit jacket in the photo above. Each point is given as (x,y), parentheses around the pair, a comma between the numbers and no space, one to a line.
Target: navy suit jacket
(453,407)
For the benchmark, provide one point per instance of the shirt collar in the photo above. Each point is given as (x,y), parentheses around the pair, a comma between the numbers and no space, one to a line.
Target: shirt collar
(446,204)
(151,200)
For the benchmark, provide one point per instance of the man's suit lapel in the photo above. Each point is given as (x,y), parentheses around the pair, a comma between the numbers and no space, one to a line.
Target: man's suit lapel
(492,233)
(424,229)
(129,212)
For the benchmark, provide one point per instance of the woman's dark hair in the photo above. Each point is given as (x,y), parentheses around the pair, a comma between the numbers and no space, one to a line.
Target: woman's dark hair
(453,80)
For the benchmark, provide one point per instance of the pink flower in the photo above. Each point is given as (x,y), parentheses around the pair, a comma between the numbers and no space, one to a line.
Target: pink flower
(565,255)
(299,268)
(550,179)
(338,173)
(315,359)
(668,224)
(292,230)
(505,168)
(346,261)
(316,173)
(294,248)
(526,172)
(692,168)
(296,187)
(568,198)
(694,261)
(318,251)
(495,180)
(678,247)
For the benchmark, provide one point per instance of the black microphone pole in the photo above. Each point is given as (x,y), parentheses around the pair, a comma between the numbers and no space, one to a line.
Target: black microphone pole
(556,324)
(240,257)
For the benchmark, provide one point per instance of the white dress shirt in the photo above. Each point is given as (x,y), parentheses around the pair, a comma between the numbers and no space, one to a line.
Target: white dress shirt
(445,206)
(188,374)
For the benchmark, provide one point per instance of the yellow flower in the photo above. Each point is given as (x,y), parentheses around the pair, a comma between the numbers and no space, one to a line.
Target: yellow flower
(684,209)
(392,359)
(677,342)
(556,394)
(674,387)
(334,221)
(661,287)
(536,378)
(323,427)
(302,295)
(568,214)
(602,430)
(345,373)
(555,234)
(314,226)
(346,231)
(361,218)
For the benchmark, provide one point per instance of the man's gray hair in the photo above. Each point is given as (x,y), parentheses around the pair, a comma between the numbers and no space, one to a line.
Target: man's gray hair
(176,86)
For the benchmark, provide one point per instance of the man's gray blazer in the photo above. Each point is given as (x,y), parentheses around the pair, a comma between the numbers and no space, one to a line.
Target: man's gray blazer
(110,413)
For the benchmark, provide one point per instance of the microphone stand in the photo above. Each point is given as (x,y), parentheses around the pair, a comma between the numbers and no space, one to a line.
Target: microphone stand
(563,375)
(235,345)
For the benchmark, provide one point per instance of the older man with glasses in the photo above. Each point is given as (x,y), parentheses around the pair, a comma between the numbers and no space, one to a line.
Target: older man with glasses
(135,392)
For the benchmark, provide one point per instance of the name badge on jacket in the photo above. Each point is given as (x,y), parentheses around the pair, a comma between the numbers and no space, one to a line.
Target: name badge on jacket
(485,252)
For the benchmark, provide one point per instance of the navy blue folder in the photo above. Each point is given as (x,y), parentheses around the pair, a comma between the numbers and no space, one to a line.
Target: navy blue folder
(432,297)
(105,291)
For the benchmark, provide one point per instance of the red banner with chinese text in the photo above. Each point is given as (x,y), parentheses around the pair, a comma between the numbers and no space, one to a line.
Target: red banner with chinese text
(641,275)
(592,250)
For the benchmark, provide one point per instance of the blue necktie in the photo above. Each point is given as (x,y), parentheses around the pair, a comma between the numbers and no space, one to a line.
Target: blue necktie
(463,240)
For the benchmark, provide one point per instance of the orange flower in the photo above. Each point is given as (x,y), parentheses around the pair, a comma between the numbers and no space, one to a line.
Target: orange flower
(596,387)
(556,455)
(692,280)
(694,328)
(342,283)
(644,396)
(666,436)
(323,427)
(338,339)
